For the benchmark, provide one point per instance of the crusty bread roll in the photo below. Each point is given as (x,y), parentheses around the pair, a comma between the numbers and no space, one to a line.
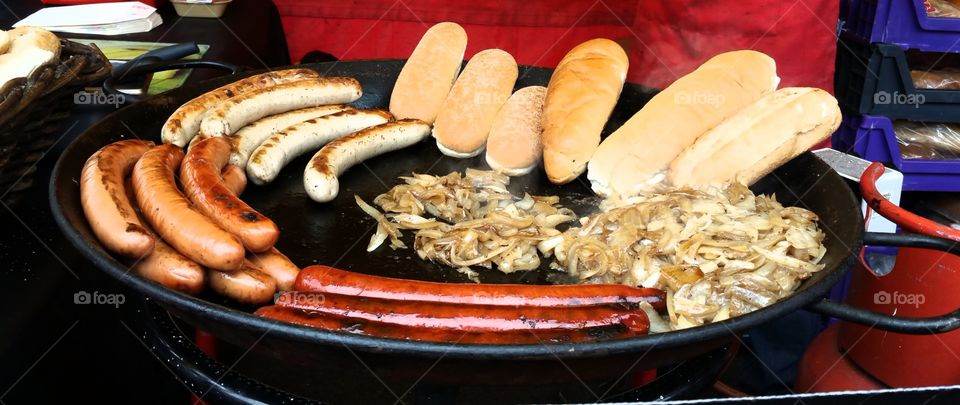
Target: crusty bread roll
(758,138)
(429,73)
(466,115)
(514,147)
(637,154)
(581,94)
(29,47)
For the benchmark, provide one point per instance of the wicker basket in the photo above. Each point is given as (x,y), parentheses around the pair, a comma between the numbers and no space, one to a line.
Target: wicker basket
(33,109)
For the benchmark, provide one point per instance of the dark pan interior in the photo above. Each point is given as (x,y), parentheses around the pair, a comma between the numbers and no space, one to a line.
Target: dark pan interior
(336,233)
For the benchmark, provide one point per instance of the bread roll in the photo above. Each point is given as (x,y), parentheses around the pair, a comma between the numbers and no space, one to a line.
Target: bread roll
(467,114)
(514,147)
(429,74)
(637,154)
(581,94)
(758,139)
(4,41)
(29,47)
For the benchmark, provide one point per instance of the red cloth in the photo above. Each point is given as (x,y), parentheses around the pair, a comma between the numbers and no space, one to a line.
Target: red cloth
(665,38)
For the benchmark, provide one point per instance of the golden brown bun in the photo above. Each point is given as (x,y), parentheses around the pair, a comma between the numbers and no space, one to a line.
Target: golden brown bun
(429,74)
(29,47)
(758,139)
(514,147)
(465,118)
(636,155)
(580,96)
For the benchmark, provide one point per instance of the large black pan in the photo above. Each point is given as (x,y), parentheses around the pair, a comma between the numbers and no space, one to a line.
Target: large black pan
(336,233)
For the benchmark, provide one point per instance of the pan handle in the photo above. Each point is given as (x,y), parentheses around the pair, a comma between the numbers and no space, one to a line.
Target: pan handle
(109,85)
(905,219)
(913,326)
(205,377)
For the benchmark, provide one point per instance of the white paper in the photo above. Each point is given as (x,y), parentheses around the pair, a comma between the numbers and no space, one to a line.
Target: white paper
(87,14)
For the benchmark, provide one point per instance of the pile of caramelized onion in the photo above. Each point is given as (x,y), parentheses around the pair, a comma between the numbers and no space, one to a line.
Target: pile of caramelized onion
(718,253)
(467,220)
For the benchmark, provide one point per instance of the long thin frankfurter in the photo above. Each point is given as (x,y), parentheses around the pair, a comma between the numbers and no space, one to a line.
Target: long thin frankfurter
(319,321)
(468,318)
(184,123)
(282,147)
(330,280)
(200,176)
(278,266)
(172,216)
(248,138)
(320,176)
(104,199)
(235,113)
(250,285)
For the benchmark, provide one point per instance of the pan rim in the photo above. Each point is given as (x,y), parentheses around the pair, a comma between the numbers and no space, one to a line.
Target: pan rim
(181,302)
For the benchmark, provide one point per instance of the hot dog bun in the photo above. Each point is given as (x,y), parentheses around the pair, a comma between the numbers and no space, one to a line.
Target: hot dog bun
(636,155)
(467,114)
(580,96)
(429,74)
(758,139)
(514,147)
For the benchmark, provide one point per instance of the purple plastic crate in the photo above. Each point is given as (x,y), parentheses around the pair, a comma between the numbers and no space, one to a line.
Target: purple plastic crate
(872,138)
(901,22)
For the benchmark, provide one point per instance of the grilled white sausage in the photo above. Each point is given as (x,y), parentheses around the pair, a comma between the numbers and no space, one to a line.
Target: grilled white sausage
(282,147)
(237,112)
(248,138)
(184,123)
(320,176)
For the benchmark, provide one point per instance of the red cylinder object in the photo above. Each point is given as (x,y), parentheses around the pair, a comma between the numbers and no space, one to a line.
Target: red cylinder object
(825,368)
(923,283)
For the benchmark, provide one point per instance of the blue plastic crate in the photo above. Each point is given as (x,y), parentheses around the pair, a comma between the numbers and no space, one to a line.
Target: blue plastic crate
(872,138)
(901,22)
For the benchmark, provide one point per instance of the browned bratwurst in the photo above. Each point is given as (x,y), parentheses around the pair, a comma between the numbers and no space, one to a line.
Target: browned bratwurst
(234,178)
(200,176)
(250,285)
(164,264)
(278,266)
(172,216)
(104,198)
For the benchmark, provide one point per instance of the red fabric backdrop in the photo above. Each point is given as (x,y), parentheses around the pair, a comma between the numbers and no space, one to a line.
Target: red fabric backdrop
(665,38)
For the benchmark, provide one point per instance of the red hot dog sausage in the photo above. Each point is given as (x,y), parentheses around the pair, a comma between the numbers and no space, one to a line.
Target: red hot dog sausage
(200,175)
(104,199)
(468,318)
(331,280)
(172,216)
(319,321)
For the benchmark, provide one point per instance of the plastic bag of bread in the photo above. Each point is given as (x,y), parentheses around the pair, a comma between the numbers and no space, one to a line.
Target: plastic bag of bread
(942,8)
(939,79)
(919,140)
